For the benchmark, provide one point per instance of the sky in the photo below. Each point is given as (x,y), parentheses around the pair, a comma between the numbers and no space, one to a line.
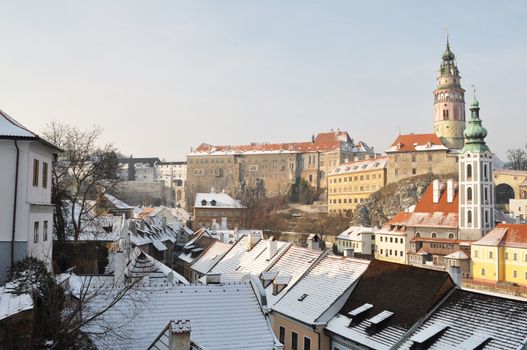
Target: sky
(161,77)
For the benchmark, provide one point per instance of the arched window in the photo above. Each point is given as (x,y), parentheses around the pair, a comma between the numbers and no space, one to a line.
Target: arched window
(469,216)
(418,234)
(434,235)
(469,171)
(486,216)
(485,172)
(486,194)
(469,194)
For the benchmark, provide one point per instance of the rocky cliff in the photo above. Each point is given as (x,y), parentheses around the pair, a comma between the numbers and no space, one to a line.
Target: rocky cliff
(393,198)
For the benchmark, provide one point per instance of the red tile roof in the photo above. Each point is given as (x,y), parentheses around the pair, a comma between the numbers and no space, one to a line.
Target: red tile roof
(427,205)
(408,142)
(516,235)
(323,142)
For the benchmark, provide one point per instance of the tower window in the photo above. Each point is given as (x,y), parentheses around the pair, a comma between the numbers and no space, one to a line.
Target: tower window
(445,114)
(469,217)
(469,194)
(469,171)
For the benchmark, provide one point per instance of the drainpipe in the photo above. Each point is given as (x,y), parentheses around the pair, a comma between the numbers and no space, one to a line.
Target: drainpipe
(318,334)
(14,206)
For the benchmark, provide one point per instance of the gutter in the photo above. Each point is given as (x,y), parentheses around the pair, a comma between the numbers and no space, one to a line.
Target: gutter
(14,205)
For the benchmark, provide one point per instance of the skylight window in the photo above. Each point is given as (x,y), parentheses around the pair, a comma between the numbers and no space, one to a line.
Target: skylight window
(302,297)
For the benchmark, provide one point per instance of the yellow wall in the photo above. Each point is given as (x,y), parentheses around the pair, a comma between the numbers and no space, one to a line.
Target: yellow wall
(383,248)
(347,190)
(502,267)
(301,329)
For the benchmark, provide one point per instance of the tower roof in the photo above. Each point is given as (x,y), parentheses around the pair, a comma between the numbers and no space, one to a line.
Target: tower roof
(475,133)
(448,65)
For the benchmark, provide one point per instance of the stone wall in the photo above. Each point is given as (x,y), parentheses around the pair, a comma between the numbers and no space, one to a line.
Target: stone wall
(402,165)
(142,193)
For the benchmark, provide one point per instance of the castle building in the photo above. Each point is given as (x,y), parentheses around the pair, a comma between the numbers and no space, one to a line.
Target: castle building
(417,154)
(476,206)
(449,103)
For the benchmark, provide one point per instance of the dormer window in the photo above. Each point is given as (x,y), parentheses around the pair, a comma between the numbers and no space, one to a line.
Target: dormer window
(213,202)
(204,202)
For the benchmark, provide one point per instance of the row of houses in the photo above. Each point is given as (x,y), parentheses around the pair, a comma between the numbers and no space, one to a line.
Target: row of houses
(317,300)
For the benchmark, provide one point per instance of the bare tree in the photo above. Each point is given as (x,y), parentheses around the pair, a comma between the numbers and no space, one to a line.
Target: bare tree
(81,171)
(517,158)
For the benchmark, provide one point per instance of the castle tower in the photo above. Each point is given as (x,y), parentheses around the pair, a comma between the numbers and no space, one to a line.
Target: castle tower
(476,189)
(449,103)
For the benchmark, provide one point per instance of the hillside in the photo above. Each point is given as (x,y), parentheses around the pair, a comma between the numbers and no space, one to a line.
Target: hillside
(394,198)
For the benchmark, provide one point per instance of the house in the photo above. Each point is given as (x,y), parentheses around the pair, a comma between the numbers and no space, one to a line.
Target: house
(26,219)
(391,240)
(501,256)
(387,302)
(358,238)
(206,261)
(191,251)
(352,183)
(214,207)
(221,316)
(301,314)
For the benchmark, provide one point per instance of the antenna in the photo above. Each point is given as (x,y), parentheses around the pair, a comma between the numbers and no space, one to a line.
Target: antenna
(474,90)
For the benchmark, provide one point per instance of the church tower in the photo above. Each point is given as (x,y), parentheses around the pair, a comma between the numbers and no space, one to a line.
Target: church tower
(449,102)
(476,189)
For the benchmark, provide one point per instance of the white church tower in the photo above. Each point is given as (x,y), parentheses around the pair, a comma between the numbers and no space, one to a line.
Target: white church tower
(476,201)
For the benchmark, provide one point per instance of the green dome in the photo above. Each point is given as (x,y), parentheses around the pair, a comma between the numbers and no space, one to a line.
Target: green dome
(475,133)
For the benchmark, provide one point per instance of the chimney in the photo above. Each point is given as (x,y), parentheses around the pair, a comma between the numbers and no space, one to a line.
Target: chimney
(213,278)
(164,221)
(313,242)
(224,223)
(450,190)
(251,241)
(436,191)
(236,237)
(179,333)
(272,248)
(133,225)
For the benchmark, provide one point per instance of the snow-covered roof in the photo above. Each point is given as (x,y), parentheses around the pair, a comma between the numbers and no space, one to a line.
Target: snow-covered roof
(142,264)
(117,203)
(354,233)
(256,260)
(211,256)
(473,318)
(144,313)
(12,304)
(360,166)
(320,288)
(292,265)
(216,200)
(459,255)
(10,128)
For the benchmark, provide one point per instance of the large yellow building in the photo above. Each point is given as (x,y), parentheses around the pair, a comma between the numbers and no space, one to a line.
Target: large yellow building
(501,256)
(352,183)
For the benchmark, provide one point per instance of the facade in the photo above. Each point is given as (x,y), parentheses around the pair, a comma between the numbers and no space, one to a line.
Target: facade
(476,187)
(270,169)
(501,256)
(26,224)
(391,240)
(359,239)
(351,183)
(449,103)
(211,208)
(518,209)
(417,154)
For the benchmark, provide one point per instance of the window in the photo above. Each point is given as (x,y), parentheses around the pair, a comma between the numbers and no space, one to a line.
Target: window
(469,217)
(418,234)
(35,231)
(506,255)
(401,253)
(381,251)
(491,255)
(482,272)
(469,194)
(469,171)
(514,274)
(45,175)
(514,256)
(451,235)
(307,343)
(391,239)
(414,157)
(414,171)
(294,341)
(434,235)
(445,114)
(485,172)
(476,253)
(430,158)
(45,230)
(35,172)
(282,335)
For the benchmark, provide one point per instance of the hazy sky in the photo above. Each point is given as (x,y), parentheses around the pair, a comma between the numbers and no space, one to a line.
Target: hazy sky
(163,76)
